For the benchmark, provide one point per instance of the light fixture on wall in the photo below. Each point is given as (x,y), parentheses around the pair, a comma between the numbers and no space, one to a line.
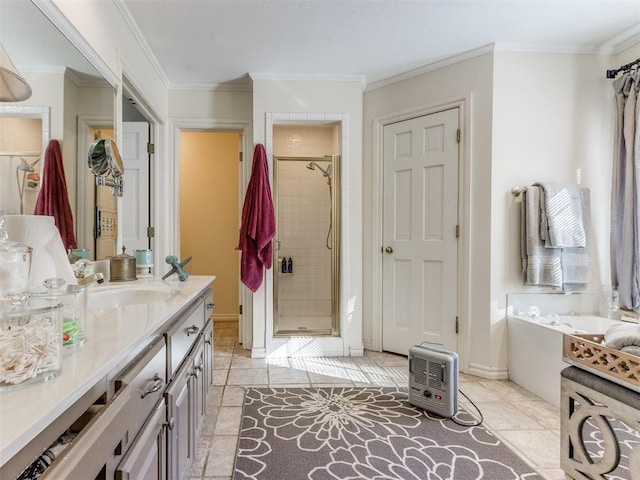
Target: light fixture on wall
(13,87)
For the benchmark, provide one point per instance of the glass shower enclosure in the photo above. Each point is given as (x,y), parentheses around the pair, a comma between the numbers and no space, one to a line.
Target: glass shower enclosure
(307,246)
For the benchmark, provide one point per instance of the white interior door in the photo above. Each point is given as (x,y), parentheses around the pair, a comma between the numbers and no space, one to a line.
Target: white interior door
(420,217)
(135,200)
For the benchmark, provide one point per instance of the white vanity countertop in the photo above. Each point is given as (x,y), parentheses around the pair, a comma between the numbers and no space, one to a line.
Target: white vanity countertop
(113,333)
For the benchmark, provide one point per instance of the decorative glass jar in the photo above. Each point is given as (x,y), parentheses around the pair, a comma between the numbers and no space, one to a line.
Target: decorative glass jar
(30,340)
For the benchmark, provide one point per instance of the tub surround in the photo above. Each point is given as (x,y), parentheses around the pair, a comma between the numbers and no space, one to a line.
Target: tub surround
(116,331)
(535,349)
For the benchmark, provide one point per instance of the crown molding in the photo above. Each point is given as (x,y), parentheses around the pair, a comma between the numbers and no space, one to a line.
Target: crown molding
(445,62)
(622,41)
(310,77)
(60,21)
(146,49)
(213,87)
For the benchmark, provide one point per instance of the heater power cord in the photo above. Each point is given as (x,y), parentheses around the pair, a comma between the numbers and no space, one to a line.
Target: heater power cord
(466,424)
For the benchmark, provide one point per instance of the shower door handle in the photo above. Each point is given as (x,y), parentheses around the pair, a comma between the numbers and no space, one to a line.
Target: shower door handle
(388,250)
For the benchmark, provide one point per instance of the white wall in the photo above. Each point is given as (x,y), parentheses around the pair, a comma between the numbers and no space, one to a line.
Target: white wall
(303,100)
(551,122)
(216,105)
(533,117)
(469,81)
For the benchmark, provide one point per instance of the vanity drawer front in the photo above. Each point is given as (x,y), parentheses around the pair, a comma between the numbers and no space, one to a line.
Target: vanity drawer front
(182,334)
(147,379)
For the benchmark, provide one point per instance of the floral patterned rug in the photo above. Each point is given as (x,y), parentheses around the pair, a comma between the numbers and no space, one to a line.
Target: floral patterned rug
(363,433)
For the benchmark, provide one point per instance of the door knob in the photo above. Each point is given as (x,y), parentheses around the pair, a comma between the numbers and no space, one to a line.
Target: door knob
(388,250)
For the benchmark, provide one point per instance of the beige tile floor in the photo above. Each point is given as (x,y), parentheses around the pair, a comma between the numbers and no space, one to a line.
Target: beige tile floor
(530,425)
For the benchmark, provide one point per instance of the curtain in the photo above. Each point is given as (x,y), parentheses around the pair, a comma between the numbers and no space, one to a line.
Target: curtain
(625,192)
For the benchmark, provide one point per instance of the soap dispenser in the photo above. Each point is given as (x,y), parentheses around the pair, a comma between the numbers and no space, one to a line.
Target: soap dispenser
(290,265)
(283,268)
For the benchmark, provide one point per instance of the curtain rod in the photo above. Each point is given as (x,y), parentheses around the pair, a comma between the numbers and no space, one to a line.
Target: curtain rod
(613,73)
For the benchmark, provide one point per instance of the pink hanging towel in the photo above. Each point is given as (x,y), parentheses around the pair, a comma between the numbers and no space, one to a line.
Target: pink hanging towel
(53,199)
(258,223)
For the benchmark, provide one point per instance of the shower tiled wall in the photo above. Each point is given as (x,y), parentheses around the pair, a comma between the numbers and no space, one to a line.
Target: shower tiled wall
(304,210)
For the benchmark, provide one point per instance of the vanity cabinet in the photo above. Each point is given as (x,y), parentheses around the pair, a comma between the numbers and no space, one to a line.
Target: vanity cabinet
(184,398)
(97,449)
(145,423)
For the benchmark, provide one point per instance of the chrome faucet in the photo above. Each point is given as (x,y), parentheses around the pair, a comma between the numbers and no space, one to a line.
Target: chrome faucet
(91,279)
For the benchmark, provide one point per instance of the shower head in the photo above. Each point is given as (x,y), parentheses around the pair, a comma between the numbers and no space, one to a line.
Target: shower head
(25,166)
(325,172)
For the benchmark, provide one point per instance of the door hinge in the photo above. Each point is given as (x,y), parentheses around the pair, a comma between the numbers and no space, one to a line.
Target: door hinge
(240,309)
(151,232)
(457,231)
(457,326)
(151,148)
(458,134)
(240,156)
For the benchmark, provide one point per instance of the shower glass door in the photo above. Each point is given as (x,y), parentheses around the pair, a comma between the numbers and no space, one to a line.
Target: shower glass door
(307,246)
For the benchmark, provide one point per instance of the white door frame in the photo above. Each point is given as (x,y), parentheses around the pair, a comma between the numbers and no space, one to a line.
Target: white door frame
(85,181)
(463,105)
(130,90)
(245,327)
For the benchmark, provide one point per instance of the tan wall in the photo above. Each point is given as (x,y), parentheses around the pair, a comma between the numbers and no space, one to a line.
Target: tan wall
(209,216)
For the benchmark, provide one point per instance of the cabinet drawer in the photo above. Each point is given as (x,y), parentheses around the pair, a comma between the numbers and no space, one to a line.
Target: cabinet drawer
(182,334)
(96,447)
(146,459)
(146,378)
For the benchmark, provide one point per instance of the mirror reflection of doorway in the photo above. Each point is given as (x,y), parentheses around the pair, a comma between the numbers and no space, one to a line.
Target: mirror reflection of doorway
(307,246)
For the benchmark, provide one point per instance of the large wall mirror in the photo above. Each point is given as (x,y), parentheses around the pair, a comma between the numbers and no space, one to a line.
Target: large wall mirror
(72,103)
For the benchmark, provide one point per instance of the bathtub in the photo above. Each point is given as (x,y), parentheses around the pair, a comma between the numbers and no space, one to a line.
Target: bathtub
(535,350)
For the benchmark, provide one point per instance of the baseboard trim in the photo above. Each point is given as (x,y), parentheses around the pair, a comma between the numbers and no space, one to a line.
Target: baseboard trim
(258,352)
(490,373)
(356,351)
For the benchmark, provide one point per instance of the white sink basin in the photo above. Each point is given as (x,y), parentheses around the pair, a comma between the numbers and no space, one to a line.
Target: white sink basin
(127,296)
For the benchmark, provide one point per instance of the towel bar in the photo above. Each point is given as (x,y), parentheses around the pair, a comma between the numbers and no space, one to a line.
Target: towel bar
(517,191)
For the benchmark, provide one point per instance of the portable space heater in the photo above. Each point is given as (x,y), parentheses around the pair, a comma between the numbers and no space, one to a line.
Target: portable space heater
(433,379)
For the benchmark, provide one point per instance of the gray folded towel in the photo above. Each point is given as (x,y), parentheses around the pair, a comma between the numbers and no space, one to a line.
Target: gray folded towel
(576,261)
(561,218)
(622,335)
(632,349)
(541,266)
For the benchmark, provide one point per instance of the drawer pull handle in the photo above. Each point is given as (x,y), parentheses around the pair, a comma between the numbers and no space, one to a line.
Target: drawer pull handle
(158,384)
(196,371)
(210,306)
(192,330)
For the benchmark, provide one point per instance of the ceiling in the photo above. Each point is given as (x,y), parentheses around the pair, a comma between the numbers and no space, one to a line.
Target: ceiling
(219,42)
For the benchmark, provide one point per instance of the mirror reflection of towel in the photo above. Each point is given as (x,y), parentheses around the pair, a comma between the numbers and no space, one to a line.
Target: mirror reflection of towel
(53,199)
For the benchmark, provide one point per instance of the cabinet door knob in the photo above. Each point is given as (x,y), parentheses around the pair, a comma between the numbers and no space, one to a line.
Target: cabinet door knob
(210,305)
(171,423)
(157,385)
(192,330)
